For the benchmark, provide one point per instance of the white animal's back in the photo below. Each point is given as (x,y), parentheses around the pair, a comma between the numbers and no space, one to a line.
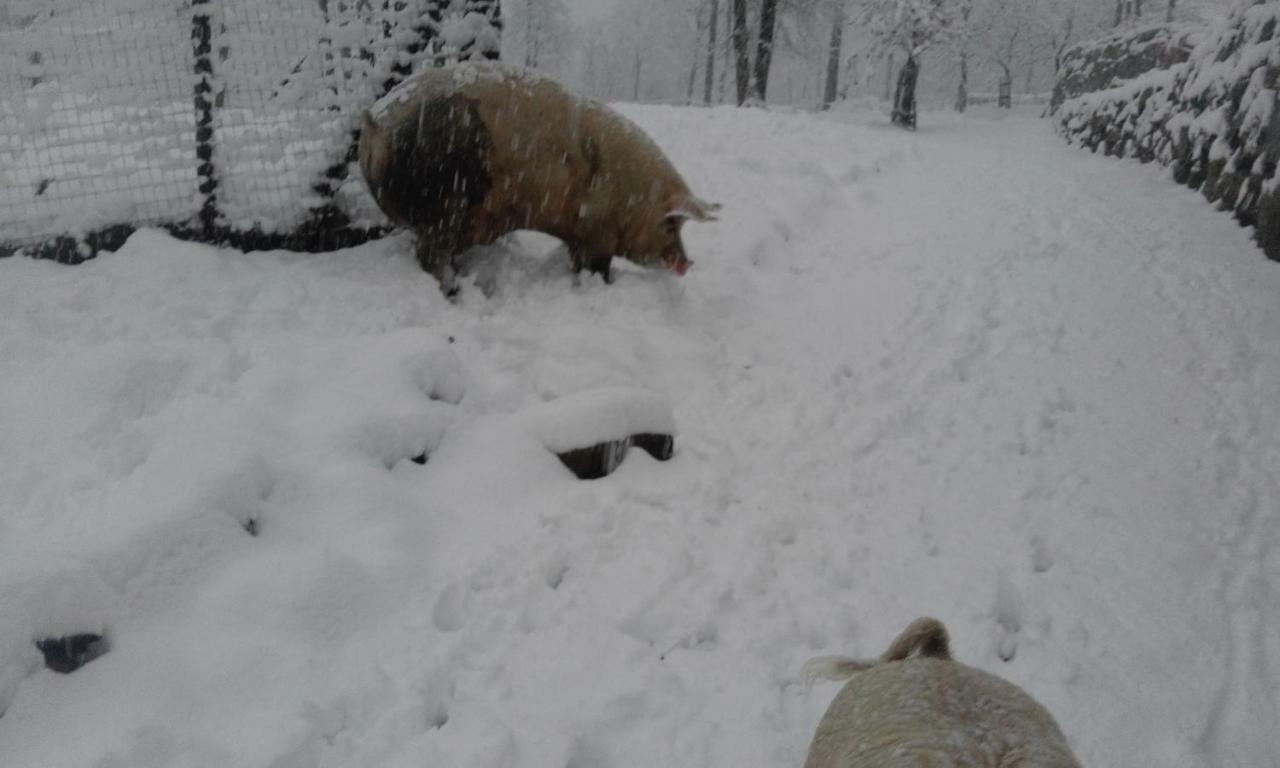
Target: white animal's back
(932,712)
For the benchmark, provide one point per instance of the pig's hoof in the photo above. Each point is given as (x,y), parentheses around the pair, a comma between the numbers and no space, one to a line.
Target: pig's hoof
(67,654)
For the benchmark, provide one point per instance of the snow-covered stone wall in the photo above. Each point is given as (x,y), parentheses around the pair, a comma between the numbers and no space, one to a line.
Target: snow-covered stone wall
(1101,64)
(1211,118)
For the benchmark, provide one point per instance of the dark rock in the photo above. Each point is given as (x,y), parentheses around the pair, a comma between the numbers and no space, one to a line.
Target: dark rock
(67,654)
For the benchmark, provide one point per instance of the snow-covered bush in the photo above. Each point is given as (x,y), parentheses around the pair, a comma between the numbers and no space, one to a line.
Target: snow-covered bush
(1212,118)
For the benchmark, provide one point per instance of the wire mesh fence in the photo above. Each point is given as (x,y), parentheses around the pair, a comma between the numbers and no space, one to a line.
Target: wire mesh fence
(227,121)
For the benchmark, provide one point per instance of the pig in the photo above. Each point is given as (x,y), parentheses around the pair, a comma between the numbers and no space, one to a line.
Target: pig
(465,154)
(916,707)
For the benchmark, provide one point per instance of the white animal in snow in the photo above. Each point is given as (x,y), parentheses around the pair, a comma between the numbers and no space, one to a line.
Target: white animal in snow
(916,707)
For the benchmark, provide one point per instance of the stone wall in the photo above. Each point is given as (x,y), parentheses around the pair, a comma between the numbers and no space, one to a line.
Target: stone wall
(1212,118)
(1105,63)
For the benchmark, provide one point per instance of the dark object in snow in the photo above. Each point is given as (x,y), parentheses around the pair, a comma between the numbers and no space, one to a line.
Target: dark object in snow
(43,186)
(250,526)
(904,98)
(421,459)
(660,447)
(464,155)
(602,459)
(67,654)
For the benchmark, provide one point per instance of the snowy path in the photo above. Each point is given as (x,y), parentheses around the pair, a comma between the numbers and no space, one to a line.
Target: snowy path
(970,373)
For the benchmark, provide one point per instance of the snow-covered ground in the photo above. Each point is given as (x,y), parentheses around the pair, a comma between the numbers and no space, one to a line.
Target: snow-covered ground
(969,373)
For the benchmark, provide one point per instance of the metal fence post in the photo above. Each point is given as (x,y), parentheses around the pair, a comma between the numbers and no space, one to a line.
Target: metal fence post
(206,172)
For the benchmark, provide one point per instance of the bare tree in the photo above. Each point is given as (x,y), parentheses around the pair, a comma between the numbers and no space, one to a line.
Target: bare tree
(964,35)
(741,55)
(832,85)
(764,47)
(713,28)
(911,26)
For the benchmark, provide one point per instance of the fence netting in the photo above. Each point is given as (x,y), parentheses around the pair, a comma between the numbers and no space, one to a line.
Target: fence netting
(229,121)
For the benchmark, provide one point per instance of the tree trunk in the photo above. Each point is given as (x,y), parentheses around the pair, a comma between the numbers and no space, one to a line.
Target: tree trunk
(832,87)
(962,93)
(1119,12)
(1005,99)
(1031,72)
(711,51)
(693,82)
(764,47)
(741,55)
(1168,15)
(635,90)
(904,99)
(888,79)
(530,37)
(722,90)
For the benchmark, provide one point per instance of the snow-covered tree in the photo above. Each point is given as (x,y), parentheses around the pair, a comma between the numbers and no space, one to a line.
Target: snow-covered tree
(910,27)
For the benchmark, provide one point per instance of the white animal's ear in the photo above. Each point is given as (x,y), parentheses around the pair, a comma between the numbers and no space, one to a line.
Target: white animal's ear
(832,668)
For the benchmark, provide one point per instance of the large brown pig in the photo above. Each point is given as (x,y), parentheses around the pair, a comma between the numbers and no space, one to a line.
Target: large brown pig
(465,154)
(918,708)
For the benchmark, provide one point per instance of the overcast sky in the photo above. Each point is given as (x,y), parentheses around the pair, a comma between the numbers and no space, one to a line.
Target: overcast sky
(592,9)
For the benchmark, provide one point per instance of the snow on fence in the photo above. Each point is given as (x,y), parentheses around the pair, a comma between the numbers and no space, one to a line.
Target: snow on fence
(227,121)
(1213,118)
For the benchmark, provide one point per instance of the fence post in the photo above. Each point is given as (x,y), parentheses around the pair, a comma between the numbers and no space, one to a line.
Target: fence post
(202,44)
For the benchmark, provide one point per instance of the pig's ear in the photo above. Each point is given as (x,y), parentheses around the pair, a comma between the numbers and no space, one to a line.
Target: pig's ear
(690,207)
(367,124)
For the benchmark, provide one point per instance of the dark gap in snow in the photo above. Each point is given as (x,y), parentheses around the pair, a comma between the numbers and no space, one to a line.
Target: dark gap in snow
(602,459)
(660,447)
(439,719)
(420,459)
(67,654)
(250,526)
(597,461)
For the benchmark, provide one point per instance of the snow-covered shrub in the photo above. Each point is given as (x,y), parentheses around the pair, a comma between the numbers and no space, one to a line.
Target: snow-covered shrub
(1212,118)
(1101,64)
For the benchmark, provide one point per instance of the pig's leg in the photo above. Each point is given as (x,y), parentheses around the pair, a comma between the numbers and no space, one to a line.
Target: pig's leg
(601,266)
(583,259)
(438,262)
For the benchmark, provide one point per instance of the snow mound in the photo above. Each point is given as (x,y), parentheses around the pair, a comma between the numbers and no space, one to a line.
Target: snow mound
(598,416)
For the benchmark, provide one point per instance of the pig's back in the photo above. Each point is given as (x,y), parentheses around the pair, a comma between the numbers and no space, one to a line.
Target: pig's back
(932,713)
